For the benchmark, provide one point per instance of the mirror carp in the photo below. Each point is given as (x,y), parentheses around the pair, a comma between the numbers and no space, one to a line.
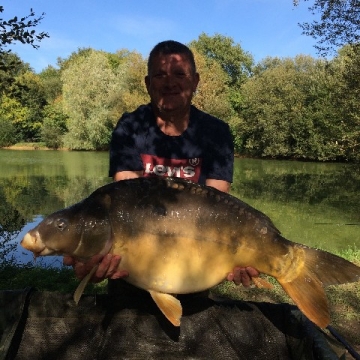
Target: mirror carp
(177,237)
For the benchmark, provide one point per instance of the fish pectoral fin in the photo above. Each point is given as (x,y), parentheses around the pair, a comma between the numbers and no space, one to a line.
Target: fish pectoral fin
(169,306)
(309,295)
(261,283)
(81,287)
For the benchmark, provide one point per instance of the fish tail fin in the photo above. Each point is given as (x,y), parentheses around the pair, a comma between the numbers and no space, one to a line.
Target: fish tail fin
(169,306)
(309,295)
(319,268)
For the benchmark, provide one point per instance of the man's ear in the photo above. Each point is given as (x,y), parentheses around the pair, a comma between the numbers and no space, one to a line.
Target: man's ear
(147,82)
(196,81)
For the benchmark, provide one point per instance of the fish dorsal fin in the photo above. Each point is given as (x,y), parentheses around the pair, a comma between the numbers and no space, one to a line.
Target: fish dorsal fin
(81,287)
(261,283)
(169,306)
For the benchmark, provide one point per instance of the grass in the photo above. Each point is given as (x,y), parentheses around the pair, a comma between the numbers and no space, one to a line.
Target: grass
(43,279)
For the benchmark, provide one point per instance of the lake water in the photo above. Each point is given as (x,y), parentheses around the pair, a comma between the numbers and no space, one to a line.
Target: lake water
(312,203)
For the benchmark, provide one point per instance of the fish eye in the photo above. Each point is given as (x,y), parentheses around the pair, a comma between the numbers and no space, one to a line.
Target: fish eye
(61,224)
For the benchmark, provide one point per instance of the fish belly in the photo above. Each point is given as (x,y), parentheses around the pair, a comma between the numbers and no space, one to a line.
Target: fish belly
(175,265)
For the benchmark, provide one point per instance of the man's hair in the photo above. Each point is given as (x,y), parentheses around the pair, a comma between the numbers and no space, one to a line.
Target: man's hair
(169,47)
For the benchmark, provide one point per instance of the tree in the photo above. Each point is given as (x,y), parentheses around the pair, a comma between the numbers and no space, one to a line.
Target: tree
(234,61)
(54,125)
(12,66)
(75,56)
(8,133)
(15,29)
(212,94)
(232,58)
(51,82)
(346,68)
(89,85)
(22,97)
(339,24)
(289,111)
(132,91)
(14,90)
(11,111)
(339,27)
(32,96)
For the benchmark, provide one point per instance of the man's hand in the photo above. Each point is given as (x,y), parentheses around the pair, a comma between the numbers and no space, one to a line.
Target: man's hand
(107,269)
(243,275)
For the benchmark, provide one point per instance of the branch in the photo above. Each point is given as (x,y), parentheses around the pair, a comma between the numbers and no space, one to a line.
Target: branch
(15,30)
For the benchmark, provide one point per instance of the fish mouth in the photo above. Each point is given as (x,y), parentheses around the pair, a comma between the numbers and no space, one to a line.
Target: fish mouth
(33,243)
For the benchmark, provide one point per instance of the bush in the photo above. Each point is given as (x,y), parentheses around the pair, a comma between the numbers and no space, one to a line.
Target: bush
(54,127)
(8,133)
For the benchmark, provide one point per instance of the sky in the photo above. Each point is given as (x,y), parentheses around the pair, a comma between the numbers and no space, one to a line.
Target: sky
(261,27)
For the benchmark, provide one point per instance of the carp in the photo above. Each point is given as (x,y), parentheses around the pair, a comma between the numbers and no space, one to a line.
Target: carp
(178,237)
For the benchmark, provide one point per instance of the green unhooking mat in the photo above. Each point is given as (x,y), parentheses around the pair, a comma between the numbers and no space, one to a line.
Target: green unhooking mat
(48,325)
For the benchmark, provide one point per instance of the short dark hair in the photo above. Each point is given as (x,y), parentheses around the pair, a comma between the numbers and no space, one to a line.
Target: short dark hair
(169,47)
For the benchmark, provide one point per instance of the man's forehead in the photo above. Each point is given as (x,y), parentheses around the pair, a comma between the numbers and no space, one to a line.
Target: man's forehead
(170,59)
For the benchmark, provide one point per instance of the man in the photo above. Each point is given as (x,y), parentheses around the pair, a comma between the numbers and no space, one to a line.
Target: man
(169,137)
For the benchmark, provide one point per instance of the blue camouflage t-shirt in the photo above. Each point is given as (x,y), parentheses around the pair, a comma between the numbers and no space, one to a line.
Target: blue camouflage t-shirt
(203,151)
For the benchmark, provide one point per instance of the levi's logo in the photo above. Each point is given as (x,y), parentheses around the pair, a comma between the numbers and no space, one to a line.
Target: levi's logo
(183,168)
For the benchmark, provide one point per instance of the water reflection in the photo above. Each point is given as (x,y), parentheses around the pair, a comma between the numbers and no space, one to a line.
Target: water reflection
(37,183)
(311,203)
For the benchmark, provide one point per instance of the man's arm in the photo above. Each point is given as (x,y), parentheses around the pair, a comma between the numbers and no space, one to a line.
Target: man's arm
(124,175)
(218,184)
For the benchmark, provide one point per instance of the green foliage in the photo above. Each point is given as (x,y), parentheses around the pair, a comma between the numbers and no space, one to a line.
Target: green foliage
(8,133)
(339,24)
(54,126)
(232,58)
(21,30)
(212,94)
(75,56)
(31,95)
(12,110)
(132,90)
(346,69)
(22,97)
(11,67)
(223,67)
(51,83)
(89,85)
(289,111)
(234,61)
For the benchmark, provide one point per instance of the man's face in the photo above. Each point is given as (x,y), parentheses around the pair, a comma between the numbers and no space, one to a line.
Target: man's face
(171,82)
